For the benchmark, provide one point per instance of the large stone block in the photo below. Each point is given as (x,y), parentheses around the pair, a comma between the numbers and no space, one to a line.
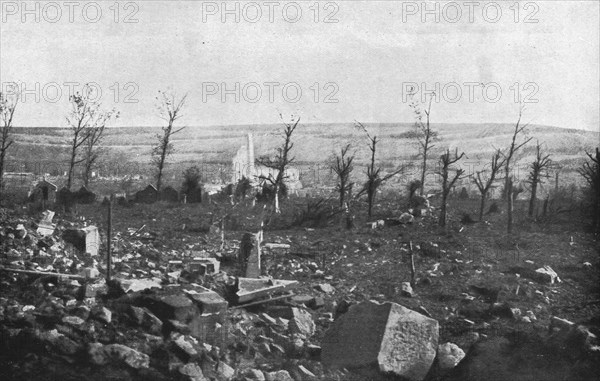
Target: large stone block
(391,337)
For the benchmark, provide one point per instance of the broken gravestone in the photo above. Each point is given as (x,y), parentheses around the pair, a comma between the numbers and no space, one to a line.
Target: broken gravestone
(45,227)
(249,255)
(86,240)
(387,336)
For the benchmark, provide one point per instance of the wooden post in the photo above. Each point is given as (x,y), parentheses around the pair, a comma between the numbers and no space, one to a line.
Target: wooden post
(223,234)
(109,240)
(412,264)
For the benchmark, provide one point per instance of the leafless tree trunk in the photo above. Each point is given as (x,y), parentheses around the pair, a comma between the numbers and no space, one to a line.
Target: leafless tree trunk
(92,149)
(170,112)
(508,185)
(7,112)
(484,185)
(281,160)
(538,167)
(446,162)
(374,181)
(591,173)
(84,118)
(426,135)
(343,168)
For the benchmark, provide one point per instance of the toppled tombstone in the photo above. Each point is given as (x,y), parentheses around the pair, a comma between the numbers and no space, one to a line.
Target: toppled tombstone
(249,290)
(276,246)
(135,285)
(449,355)
(542,275)
(387,336)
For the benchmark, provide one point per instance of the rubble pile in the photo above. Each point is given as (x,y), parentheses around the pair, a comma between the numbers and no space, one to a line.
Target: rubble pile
(193,314)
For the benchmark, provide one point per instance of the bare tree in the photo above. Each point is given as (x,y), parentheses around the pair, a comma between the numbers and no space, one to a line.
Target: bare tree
(170,111)
(282,159)
(343,168)
(446,162)
(484,185)
(374,181)
(591,173)
(538,171)
(7,112)
(84,118)
(512,149)
(426,135)
(92,150)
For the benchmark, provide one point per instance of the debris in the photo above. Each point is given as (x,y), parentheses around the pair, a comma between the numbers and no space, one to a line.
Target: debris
(407,290)
(549,275)
(406,218)
(399,340)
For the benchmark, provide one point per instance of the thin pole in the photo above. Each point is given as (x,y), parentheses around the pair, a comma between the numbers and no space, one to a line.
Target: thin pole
(109,240)
(412,264)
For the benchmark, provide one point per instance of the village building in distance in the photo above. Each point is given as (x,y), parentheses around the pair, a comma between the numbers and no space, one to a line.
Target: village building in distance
(244,165)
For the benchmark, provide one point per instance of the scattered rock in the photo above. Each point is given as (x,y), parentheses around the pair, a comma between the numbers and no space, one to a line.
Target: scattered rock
(254,374)
(281,375)
(398,340)
(302,323)
(103,354)
(192,372)
(103,314)
(224,371)
(449,355)
(325,287)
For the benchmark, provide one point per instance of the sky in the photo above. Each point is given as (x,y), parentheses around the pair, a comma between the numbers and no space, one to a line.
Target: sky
(338,61)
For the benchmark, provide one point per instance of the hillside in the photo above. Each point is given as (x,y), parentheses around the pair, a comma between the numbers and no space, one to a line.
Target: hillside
(315,144)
